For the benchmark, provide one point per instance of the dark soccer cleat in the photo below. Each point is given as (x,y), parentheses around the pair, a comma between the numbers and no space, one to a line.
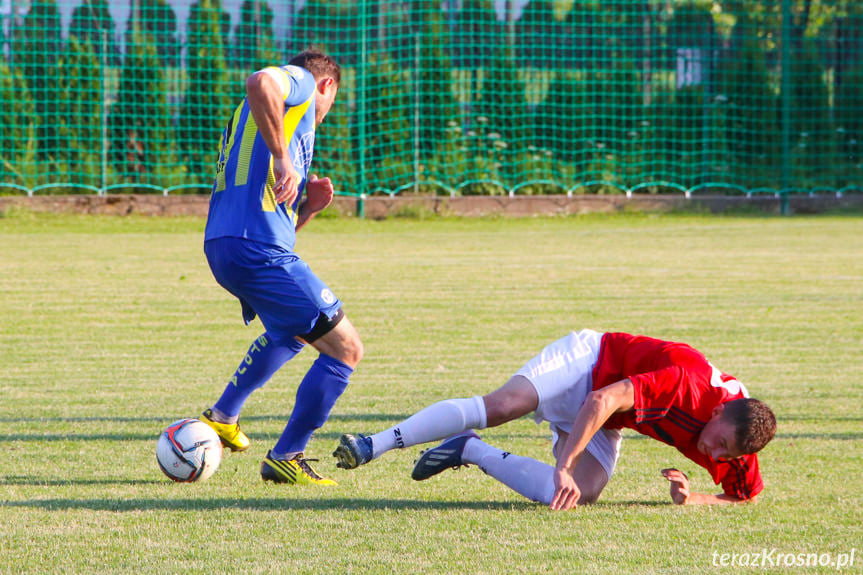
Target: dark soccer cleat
(353,451)
(295,471)
(447,455)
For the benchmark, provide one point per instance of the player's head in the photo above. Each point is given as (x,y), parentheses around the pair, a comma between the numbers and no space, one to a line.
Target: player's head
(736,428)
(327,75)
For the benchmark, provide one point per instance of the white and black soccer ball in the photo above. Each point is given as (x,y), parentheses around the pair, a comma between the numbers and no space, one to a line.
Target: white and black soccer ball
(189,450)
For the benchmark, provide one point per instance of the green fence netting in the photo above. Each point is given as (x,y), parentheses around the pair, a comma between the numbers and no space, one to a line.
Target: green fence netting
(453,97)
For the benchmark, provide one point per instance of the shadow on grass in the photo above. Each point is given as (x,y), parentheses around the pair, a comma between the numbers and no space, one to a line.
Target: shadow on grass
(25,480)
(631,503)
(846,436)
(334,436)
(79,437)
(361,417)
(152,419)
(820,418)
(265,504)
(276,504)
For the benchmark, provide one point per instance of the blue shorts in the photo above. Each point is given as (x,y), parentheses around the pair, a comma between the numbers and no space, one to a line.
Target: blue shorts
(273,283)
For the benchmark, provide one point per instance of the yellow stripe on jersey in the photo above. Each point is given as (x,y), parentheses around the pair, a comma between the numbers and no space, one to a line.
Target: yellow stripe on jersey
(235,119)
(294,115)
(268,202)
(291,121)
(250,130)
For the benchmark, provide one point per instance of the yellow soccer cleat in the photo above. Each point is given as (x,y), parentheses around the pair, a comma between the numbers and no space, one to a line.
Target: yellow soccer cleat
(230,434)
(296,471)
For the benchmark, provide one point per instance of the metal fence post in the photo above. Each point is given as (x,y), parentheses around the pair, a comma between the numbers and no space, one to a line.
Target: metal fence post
(417,76)
(785,182)
(103,175)
(361,104)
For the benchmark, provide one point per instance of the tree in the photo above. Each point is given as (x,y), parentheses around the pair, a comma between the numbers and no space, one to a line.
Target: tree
(92,23)
(477,34)
(142,133)
(848,83)
(157,19)
(683,113)
(253,46)
(395,29)
(17,130)
(811,129)
(580,45)
(502,99)
(79,113)
(562,121)
(331,27)
(538,35)
(437,105)
(207,100)
(389,136)
(335,150)
(35,49)
(749,102)
(306,25)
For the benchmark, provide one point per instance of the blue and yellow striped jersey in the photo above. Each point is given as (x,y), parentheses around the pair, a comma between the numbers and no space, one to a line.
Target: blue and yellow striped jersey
(243,203)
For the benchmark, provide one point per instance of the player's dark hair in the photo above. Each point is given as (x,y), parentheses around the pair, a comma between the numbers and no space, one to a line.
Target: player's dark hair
(318,63)
(754,423)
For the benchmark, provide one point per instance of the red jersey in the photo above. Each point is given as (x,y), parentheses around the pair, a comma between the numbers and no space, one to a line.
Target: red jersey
(676,389)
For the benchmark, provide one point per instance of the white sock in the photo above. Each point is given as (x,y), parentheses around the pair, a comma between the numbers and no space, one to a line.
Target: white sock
(529,477)
(435,422)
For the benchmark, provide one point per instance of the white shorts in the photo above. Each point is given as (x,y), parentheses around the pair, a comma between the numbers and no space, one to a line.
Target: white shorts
(563,376)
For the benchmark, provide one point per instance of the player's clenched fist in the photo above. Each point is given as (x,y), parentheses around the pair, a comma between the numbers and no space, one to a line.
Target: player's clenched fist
(287,183)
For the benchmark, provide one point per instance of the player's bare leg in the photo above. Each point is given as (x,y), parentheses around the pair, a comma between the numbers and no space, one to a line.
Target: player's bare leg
(340,351)
(531,478)
(342,343)
(589,474)
(515,398)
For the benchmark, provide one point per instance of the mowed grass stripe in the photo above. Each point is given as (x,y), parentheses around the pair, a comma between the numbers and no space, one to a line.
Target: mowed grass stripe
(111,328)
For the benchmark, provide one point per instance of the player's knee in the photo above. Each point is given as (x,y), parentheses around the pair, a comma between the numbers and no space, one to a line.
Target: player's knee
(353,350)
(589,497)
(516,398)
(591,486)
(498,410)
(349,349)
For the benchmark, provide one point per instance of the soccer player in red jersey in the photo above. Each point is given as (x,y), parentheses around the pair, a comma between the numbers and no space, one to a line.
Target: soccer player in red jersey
(588,386)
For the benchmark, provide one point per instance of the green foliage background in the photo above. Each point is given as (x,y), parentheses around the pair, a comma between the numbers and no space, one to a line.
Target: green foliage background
(483,98)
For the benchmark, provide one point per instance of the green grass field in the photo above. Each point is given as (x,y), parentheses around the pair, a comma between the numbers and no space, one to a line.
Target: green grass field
(111,328)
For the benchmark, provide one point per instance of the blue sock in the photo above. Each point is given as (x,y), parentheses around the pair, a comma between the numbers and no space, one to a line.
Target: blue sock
(316,396)
(261,362)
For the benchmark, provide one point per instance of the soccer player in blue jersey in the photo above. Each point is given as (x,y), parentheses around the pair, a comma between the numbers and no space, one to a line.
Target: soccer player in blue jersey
(263,193)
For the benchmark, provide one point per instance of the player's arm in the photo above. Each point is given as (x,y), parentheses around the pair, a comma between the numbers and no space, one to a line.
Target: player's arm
(319,194)
(266,96)
(681,495)
(597,408)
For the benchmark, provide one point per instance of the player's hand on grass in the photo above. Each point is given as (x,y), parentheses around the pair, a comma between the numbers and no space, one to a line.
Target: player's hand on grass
(287,180)
(679,485)
(566,492)
(319,193)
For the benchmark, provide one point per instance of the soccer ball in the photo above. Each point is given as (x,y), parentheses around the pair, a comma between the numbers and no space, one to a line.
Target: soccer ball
(189,450)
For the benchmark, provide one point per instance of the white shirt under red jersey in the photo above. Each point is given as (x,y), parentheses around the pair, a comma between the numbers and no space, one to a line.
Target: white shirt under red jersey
(676,389)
